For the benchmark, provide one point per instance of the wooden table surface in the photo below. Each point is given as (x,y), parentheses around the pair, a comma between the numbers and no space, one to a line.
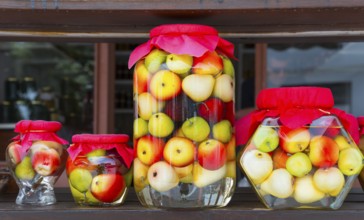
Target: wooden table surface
(244,205)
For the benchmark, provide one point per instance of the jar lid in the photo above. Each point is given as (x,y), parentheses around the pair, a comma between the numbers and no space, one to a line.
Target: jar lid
(24,126)
(295,97)
(100,138)
(190,29)
(191,39)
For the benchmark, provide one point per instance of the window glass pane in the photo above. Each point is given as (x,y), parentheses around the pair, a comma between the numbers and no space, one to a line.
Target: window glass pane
(49,81)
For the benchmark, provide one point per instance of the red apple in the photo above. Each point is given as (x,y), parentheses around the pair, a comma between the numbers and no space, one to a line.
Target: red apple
(108,187)
(294,140)
(229,112)
(150,149)
(45,162)
(15,153)
(324,152)
(280,158)
(141,78)
(208,64)
(211,110)
(211,154)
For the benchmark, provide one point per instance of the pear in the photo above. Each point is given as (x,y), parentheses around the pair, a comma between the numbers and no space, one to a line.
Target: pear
(80,179)
(329,180)
(24,170)
(305,190)
(179,63)
(203,177)
(198,87)
(224,88)
(350,161)
(228,66)
(257,165)
(154,60)
(279,184)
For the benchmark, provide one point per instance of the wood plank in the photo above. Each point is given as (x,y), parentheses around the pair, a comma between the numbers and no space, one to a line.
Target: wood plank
(249,20)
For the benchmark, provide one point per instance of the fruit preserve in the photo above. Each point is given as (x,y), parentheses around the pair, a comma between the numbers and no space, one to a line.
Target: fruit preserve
(99,169)
(361,147)
(300,157)
(184,118)
(36,158)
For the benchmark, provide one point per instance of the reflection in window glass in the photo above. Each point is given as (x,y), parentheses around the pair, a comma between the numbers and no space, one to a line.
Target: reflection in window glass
(47,81)
(338,66)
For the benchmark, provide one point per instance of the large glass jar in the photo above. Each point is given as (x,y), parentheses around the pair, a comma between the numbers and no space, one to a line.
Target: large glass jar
(361,147)
(184,118)
(36,158)
(99,169)
(301,153)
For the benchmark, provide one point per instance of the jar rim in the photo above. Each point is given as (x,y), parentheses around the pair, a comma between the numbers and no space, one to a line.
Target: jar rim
(100,138)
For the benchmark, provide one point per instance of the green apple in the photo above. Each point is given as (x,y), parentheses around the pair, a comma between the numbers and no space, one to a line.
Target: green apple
(148,105)
(266,139)
(279,184)
(24,170)
(350,161)
(329,180)
(222,131)
(224,88)
(154,60)
(140,128)
(305,190)
(196,129)
(77,195)
(257,165)
(299,164)
(342,142)
(228,66)
(91,199)
(179,63)
(96,153)
(198,87)
(128,177)
(80,179)
(160,125)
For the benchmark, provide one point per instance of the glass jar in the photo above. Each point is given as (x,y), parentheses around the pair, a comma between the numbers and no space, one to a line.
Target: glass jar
(301,153)
(99,169)
(36,158)
(184,118)
(361,147)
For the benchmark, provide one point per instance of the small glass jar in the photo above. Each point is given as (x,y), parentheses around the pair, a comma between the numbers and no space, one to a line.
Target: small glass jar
(301,153)
(99,169)
(184,118)
(36,159)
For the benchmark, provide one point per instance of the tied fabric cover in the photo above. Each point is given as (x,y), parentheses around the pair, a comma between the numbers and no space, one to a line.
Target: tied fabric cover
(191,39)
(85,143)
(37,130)
(361,125)
(296,107)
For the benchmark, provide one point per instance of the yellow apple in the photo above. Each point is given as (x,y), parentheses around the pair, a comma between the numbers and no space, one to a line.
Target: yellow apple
(182,172)
(179,63)
(329,180)
(196,129)
(179,152)
(140,128)
(350,161)
(141,78)
(231,169)
(154,60)
(231,149)
(343,142)
(148,105)
(140,177)
(162,177)
(293,141)
(165,85)
(222,131)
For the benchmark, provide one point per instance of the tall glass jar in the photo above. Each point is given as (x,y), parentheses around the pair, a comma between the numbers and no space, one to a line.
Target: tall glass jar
(184,118)
(361,147)
(36,158)
(99,169)
(301,151)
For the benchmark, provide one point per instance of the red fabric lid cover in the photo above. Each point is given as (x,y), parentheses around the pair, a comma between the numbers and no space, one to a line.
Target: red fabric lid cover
(37,130)
(192,39)
(295,107)
(361,124)
(85,143)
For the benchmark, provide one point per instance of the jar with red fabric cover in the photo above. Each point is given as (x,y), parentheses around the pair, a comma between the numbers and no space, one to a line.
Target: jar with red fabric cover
(184,118)
(99,169)
(361,146)
(299,152)
(36,159)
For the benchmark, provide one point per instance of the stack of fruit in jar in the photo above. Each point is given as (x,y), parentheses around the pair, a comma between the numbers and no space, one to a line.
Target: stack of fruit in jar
(44,159)
(305,164)
(99,177)
(183,131)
